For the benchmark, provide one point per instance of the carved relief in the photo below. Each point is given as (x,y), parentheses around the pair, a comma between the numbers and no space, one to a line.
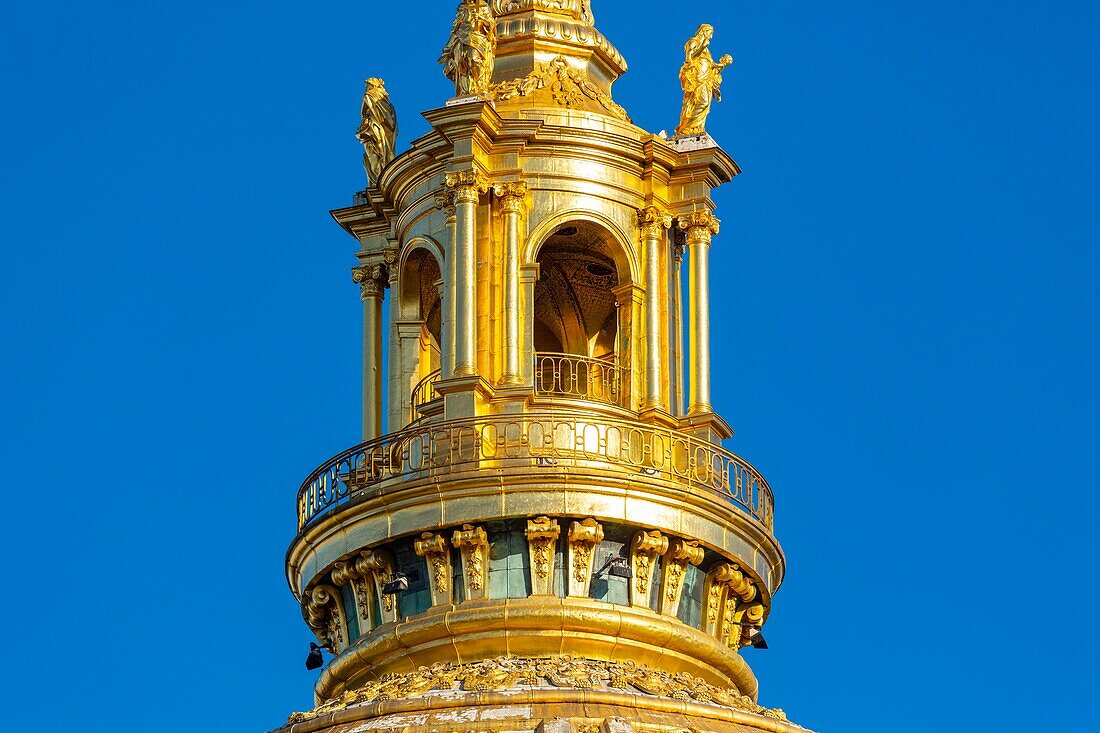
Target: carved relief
(644,550)
(584,536)
(433,548)
(681,553)
(474,544)
(509,673)
(542,535)
(565,86)
(355,573)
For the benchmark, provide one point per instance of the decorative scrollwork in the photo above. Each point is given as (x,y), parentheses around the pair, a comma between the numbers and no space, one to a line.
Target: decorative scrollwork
(542,533)
(567,87)
(511,673)
(474,544)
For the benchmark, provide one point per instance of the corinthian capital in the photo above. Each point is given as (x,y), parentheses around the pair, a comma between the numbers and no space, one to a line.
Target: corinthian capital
(512,194)
(467,184)
(372,279)
(700,225)
(653,222)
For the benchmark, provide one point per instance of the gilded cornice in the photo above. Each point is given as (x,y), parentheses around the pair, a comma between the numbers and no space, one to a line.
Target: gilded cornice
(513,29)
(577,9)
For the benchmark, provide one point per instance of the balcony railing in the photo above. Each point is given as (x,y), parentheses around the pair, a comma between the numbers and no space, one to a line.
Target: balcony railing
(531,442)
(581,377)
(423,393)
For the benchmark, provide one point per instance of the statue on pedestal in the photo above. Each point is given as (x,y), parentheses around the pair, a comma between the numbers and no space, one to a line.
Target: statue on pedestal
(469,54)
(378,130)
(701,79)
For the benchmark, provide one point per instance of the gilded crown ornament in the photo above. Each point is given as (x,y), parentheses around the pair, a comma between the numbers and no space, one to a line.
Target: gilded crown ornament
(543,528)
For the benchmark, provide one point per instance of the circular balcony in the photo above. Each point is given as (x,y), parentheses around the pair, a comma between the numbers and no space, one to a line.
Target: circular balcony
(528,443)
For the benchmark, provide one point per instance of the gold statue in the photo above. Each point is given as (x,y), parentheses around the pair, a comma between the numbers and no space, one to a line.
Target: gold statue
(378,130)
(468,56)
(701,78)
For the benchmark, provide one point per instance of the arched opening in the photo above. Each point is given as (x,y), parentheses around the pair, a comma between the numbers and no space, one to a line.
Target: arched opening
(577,319)
(419,330)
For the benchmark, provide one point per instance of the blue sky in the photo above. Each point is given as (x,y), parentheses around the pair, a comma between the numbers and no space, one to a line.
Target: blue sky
(908,275)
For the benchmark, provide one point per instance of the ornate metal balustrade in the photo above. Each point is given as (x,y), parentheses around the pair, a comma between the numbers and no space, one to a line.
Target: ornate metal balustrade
(531,442)
(583,378)
(423,393)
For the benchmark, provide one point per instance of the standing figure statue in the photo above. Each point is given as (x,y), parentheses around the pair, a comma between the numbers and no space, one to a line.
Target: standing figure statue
(469,54)
(701,79)
(378,130)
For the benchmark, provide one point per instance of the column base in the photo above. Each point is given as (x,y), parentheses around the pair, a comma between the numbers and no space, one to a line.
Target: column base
(703,422)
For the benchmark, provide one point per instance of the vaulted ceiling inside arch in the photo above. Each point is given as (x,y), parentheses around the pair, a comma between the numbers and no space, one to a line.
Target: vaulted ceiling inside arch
(574,302)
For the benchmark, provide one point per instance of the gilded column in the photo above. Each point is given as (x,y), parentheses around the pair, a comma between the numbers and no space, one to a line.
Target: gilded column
(373,281)
(445,200)
(467,186)
(677,330)
(653,223)
(701,227)
(512,196)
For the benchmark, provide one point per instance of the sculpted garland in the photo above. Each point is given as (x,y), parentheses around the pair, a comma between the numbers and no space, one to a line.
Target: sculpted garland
(507,673)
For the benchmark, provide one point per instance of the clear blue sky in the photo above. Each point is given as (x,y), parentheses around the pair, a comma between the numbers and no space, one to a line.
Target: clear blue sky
(908,275)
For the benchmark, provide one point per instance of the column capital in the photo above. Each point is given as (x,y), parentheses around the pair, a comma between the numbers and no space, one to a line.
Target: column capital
(512,195)
(445,201)
(372,279)
(653,221)
(467,184)
(700,226)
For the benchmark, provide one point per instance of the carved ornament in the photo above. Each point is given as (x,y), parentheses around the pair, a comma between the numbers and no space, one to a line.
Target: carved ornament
(372,279)
(542,535)
(700,226)
(512,195)
(474,544)
(583,538)
(433,548)
(681,553)
(322,607)
(510,673)
(567,87)
(644,550)
(467,185)
(653,222)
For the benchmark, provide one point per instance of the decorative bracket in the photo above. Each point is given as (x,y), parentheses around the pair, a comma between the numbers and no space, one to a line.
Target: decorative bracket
(583,538)
(474,544)
(433,548)
(681,553)
(644,551)
(325,616)
(542,535)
